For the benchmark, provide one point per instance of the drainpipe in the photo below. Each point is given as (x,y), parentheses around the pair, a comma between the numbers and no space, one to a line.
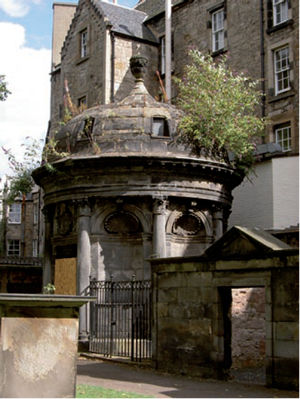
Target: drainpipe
(168,23)
(112,66)
(262,62)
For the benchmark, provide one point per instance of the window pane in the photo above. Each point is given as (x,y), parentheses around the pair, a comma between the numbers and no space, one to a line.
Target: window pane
(282,73)
(13,248)
(280,11)
(14,215)
(83,44)
(218,30)
(283,136)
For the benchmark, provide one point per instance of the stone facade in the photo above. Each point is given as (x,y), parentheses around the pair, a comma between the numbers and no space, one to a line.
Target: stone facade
(193,324)
(21,244)
(251,44)
(128,191)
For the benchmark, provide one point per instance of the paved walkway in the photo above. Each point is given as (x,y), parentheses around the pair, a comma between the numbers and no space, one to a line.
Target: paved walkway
(146,381)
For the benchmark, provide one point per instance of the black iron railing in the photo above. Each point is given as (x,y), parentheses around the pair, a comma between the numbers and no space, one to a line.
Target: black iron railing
(120,319)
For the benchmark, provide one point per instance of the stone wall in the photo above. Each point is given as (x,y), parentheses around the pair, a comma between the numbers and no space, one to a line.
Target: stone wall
(248,327)
(85,76)
(192,332)
(125,48)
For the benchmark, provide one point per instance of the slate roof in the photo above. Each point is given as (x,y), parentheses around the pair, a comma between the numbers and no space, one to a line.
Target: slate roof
(125,20)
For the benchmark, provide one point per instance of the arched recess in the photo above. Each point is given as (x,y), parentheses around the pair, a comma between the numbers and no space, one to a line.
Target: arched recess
(120,249)
(176,215)
(97,219)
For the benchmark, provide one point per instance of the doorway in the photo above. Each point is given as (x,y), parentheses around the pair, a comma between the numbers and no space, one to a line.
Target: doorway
(244,320)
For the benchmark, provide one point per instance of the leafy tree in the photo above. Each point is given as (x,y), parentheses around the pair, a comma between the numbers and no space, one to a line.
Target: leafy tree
(4,92)
(219,111)
(21,182)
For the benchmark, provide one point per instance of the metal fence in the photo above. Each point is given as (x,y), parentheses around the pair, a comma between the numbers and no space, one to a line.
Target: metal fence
(120,319)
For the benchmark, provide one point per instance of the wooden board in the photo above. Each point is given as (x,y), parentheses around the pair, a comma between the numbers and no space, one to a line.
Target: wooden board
(65,276)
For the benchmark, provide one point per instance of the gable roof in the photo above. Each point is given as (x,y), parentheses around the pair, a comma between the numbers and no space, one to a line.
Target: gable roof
(125,21)
(241,242)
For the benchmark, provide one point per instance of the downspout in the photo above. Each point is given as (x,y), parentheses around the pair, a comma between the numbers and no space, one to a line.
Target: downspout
(262,63)
(112,68)
(39,223)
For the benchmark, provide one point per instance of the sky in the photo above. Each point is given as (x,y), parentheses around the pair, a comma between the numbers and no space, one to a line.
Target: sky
(25,48)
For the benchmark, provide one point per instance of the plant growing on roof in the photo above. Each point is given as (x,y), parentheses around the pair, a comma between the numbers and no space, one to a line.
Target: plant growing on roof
(219,111)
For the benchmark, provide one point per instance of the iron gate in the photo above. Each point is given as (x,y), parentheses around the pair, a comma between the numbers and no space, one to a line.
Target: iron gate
(120,319)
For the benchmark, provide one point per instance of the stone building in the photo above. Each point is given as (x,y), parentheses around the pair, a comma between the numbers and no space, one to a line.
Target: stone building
(127,191)
(260,37)
(20,261)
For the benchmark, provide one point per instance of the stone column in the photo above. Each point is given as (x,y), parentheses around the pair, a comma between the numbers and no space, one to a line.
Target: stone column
(218,223)
(159,228)
(48,277)
(83,263)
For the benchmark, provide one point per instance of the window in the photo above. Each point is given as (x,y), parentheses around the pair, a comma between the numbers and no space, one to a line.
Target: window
(34,248)
(283,136)
(13,248)
(282,70)
(83,43)
(35,213)
(280,11)
(82,102)
(14,213)
(217,30)
(163,53)
(160,127)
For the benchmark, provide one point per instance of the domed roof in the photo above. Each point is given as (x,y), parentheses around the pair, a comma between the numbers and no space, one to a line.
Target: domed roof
(136,125)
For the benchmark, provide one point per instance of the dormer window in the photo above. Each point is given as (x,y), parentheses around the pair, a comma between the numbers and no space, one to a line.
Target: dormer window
(86,129)
(160,127)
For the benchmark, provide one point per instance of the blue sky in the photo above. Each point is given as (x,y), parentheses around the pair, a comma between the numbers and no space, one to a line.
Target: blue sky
(25,45)
(36,17)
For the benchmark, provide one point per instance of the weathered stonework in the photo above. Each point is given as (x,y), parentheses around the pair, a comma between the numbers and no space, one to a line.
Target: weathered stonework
(193,319)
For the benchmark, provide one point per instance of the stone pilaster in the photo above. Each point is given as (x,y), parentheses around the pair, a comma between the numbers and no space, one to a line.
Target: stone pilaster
(159,228)
(83,263)
(218,223)
(48,275)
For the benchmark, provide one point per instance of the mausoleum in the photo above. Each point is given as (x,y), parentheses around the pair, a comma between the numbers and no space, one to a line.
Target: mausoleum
(125,189)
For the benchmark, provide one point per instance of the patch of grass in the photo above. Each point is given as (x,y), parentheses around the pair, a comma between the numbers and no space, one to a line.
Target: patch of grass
(92,391)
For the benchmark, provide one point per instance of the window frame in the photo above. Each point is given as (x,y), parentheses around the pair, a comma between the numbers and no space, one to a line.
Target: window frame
(83,43)
(162,55)
(14,217)
(165,126)
(279,129)
(281,4)
(215,31)
(34,248)
(279,73)
(12,249)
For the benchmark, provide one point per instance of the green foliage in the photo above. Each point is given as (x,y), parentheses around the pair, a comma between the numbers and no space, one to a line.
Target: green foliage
(51,153)
(21,182)
(219,110)
(4,92)
(49,289)
(92,391)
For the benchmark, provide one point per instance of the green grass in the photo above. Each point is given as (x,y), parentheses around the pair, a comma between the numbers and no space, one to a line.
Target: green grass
(92,391)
